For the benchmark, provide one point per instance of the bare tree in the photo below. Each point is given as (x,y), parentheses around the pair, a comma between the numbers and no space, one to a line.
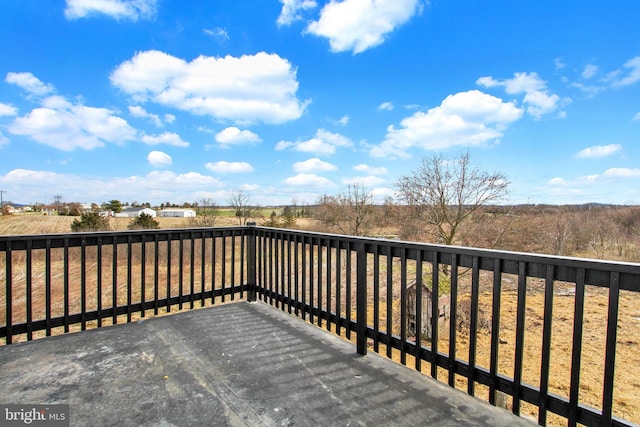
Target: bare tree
(241,204)
(443,193)
(351,212)
(206,213)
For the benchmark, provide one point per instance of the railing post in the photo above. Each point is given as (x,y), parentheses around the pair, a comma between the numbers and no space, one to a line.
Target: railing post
(251,262)
(361,299)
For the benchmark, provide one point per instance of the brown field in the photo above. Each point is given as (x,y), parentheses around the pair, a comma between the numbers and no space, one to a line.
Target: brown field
(627,387)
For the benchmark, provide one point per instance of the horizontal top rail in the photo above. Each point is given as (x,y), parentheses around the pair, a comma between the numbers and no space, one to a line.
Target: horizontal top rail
(597,271)
(59,240)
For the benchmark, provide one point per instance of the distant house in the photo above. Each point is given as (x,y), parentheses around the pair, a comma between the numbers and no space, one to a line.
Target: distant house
(444,311)
(177,213)
(135,212)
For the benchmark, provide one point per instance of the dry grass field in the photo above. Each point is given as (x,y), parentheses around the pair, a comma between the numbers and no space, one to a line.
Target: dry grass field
(627,391)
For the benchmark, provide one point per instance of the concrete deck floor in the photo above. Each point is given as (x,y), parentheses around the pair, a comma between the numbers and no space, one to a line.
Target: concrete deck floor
(233,365)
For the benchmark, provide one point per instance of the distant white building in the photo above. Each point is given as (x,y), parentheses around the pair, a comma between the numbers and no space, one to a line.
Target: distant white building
(134,212)
(177,213)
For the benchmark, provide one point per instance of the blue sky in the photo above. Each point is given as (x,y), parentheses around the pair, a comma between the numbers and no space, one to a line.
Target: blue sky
(165,100)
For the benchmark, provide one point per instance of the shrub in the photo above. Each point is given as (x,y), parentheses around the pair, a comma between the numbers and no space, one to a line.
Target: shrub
(90,221)
(144,221)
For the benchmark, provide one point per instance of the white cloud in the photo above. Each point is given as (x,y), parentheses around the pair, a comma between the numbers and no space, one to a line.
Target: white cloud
(251,88)
(589,71)
(385,106)
(30,83)
(169,138)
(118,9)
(559,63)
(537,97)
(358,25)
(309,180)
(344,120)
(622,173)
(557,181)
(218,33)
(291,10)
(636,118)
(3,140)
(599,151)
(234,136)
(313,165)
(65,126)
(169,118)
(464,119)
(138,111)
(365,181)
(159,159)
(370,169)
(229,167)
(7,110)
(589,90)
(628,76)
(155,187)
(323,143)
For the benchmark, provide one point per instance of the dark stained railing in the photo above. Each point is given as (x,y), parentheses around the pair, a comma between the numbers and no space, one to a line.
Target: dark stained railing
(94,279)
(503,307)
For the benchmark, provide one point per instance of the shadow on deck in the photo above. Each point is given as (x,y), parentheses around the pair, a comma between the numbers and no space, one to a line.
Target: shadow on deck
(236,364)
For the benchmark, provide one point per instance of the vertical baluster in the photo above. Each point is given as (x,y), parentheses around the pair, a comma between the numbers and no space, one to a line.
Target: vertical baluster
(328,285)
(289,284)
(361,298)
(304,279)
(270,264)
(260,261)
(66,283)
(233,265)
(311,281)
(435,313)
(576,348)
(99,280)
(338,287)
(520,319)
(376,297)
(319,269)
(453,315)
(495,329)
(473,327)
(156,273)
(610,354)
(389,302)
(47,286)
(203,253)
(348,296)
(29,291)
(296,272)
(8,293)
(180,269)
(129,276)
(546,346)
(143,273)
(242,257)
(214,269)
(403,306)
(169,244)
(192,270)
(83,283)
(282,272)
(418,312)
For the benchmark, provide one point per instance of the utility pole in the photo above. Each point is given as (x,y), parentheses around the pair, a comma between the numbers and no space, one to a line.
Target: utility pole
(1,203)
